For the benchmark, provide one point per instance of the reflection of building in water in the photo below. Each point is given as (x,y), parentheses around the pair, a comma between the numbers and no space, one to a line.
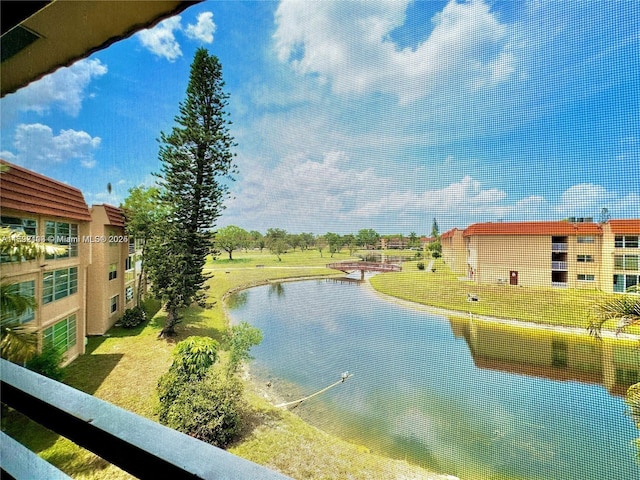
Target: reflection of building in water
(614,363)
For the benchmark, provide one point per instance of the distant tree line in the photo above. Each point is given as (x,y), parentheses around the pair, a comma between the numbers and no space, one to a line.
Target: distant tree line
(278,241)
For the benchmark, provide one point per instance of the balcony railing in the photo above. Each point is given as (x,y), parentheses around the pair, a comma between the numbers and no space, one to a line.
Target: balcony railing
(136,444)
(562,266)
(559,247)
(559,284)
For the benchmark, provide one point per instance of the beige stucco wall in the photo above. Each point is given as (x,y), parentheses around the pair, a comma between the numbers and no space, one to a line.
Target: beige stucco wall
(101,290)
(494,257)
(48,314)
(454,253)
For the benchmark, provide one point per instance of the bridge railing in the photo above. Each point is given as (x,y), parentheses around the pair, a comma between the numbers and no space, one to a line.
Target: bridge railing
(369,266)
(136,444)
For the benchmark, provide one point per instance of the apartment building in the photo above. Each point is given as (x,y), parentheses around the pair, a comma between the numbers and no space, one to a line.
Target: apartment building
(82,291)
(454,251)
(111,274)
(47,210)
(572,254)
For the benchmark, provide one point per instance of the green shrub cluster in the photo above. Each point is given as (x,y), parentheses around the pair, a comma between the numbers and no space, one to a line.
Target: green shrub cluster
(209,408)
(194,355)
(201,397)
(47,363)
(133,317)
(420,266)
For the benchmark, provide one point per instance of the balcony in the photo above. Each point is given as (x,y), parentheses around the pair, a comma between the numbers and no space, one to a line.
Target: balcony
(137,445)
(559,266)
(559,247)
(559,284)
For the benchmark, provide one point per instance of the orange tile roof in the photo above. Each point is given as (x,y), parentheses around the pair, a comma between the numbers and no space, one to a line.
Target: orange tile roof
(22,189)
(625,226)
(115,215)
(448,234)
(533,228)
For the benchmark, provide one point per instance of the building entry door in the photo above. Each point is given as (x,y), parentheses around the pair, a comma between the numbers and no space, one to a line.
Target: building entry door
(513,277)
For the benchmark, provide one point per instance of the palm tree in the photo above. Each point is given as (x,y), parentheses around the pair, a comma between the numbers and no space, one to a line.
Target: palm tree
(17,342)
(626,311)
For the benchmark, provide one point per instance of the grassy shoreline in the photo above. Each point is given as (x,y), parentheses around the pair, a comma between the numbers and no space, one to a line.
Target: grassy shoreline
(123,367)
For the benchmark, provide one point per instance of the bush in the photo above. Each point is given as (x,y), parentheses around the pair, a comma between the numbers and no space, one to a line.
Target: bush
(209,408)
(240,339)
(133,317)
(47,363)
(420,266)
(194,355)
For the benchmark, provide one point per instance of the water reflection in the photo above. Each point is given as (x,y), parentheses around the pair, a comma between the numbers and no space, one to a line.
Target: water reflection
(237,300)
(477,403)
(276,289)
(614,363)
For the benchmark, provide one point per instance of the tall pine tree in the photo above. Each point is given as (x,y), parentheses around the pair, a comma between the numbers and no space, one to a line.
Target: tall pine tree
(197,164)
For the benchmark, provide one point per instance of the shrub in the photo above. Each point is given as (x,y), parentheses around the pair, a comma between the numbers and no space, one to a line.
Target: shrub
(420,266)
(133,317)
(240,339)
(194,355)
(47,363)
(209,408)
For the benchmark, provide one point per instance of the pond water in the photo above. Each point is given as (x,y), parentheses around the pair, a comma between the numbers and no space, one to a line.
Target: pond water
(455,396)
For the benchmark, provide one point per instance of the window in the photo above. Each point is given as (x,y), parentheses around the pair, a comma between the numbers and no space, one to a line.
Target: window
(585,258)
(114,304)
(586,277)
(129,265)
(59,284)
(626,241)
(113,271)
(621,283)
(22,227)
(128,294)
(64,234)
(626,262)
(25,289)
(586,239)
(62,335)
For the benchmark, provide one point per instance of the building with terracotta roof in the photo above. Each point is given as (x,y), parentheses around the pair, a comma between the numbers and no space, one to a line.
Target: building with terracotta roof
(75,290)
(454,251)
(48,211)
(111,275)
(573,254)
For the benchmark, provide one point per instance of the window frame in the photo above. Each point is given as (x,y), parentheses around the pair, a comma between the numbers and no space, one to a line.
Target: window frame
(61,334)
(58,284)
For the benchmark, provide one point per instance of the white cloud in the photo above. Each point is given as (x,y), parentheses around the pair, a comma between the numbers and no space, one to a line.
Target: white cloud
(161,41)
(333,194)
(65,89)
(587,200)
(301,194)
(36,143)
(347,44)
(203,30)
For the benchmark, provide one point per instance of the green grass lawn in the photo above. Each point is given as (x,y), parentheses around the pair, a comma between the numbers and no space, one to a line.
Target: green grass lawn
(552,306)
(123,367)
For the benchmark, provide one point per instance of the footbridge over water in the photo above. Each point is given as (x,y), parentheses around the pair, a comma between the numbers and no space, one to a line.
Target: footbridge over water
(349,267)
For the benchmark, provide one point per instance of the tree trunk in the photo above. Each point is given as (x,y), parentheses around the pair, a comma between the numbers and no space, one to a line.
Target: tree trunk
(169,329)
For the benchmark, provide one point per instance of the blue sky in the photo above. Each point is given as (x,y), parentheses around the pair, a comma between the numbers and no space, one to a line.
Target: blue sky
(353,115)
